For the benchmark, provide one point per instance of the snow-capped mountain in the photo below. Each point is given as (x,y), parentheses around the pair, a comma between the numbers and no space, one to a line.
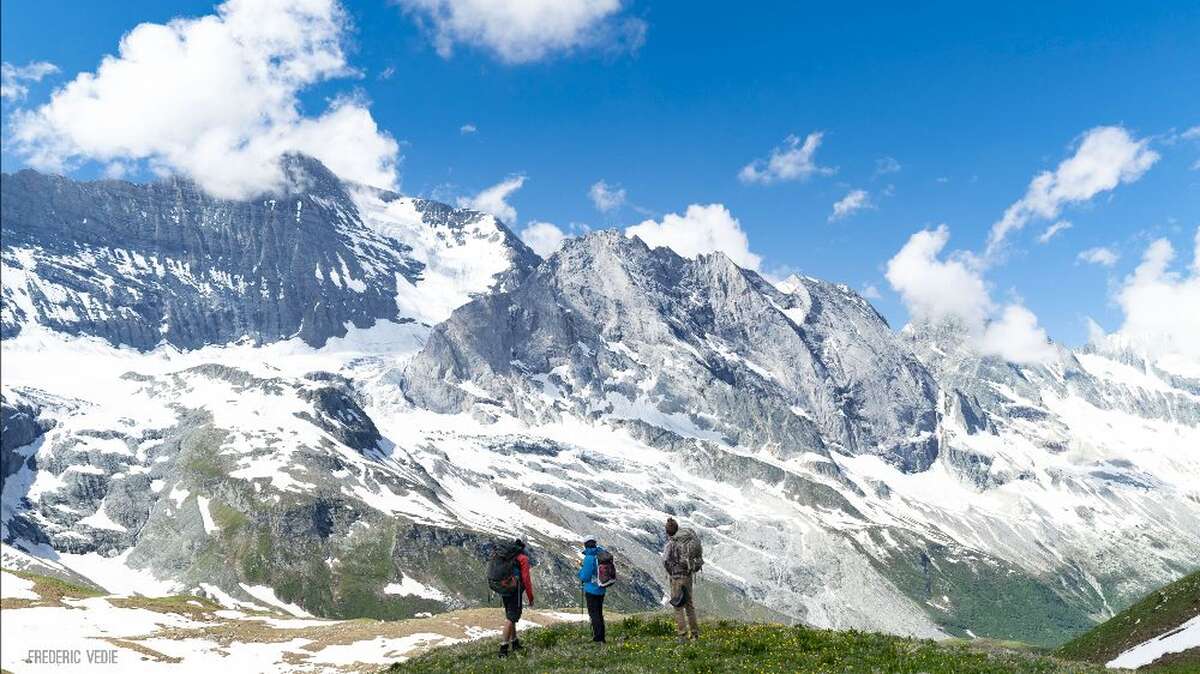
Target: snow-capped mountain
(337,398)
(164,263)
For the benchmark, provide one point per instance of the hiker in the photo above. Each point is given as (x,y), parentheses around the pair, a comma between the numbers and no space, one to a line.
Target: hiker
(508,576)
(682,559)
(594,585)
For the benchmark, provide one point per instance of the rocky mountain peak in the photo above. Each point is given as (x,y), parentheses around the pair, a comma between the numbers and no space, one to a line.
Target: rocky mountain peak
(164,262)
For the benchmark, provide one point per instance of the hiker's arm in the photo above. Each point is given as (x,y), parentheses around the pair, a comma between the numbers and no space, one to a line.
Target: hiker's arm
(588,569)
(523,562)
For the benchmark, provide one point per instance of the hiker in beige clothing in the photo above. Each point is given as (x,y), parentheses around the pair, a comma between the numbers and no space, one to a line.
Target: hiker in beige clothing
(683,558)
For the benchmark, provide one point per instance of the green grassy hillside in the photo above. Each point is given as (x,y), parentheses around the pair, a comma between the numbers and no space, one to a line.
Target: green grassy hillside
(1155,614)
(648,644)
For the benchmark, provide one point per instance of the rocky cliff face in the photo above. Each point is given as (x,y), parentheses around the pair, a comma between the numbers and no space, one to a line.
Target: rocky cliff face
(417,384)
(609,329)
(141,265)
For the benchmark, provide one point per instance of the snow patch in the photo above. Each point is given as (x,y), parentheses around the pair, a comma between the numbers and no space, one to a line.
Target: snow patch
(267,595)
(410,587)
(1179,639)
(16,587)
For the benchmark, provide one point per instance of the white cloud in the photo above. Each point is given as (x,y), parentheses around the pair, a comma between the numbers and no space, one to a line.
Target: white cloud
(520,31)
(934,289)
(1101,255)
(1192,134)
(494,200)
(543,237)
(606,197)
(886,165)
(1052,230)
(790,161)
(1106,157)
(952,289)
(701,229)
(1016,336)
(467,129)
(1162,306)
(215,98)
(871,292)
(855,200)
(14,79)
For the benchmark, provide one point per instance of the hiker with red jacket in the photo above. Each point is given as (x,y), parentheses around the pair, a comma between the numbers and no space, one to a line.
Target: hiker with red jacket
(682,559)
(596,573)
(508,576)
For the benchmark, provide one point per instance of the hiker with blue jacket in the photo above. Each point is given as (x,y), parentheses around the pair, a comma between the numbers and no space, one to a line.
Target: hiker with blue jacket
(593,590)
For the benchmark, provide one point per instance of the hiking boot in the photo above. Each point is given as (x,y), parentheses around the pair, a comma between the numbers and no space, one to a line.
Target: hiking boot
(516,645)
(504,650)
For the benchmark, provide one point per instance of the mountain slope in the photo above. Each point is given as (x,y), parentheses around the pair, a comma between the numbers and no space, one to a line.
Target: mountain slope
(1132,637)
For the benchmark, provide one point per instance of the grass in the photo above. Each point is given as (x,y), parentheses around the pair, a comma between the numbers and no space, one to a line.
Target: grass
(198,608)
(1154,614)
(50,589)
(647,644)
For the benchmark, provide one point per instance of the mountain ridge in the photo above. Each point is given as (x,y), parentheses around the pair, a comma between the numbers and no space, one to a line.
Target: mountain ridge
(843,474)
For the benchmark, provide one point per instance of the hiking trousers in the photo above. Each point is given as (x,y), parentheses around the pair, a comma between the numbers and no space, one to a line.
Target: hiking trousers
(595,608)
(685,613)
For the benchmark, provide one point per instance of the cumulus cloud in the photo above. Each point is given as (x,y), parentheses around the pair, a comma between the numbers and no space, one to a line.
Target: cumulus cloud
(791,161)
(606,197)
(14,80)
(527,30)
(886,165)
(935,289)
(1051,231)
(951,288)
(1016,336)
(467,128)
(1161,305)
(215,98)
(701,229)
(855,200)
(494,200)
(1106,157)
(871,292)
(543,237)
(1101,255)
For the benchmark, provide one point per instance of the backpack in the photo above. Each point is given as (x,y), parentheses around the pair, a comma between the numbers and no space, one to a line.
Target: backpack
(503,574)
(606,569)
(692,553)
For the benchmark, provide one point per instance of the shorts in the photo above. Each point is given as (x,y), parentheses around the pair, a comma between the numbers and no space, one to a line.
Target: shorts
(512,606)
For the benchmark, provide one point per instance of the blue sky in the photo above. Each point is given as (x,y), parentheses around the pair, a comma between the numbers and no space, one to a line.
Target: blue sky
(670,100)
